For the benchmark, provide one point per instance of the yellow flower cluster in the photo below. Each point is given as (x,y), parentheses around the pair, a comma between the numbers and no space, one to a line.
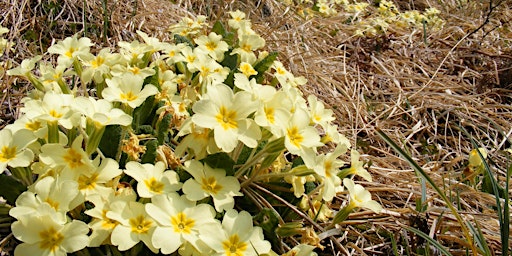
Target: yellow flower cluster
(371,20)
(152,143)
(5,46)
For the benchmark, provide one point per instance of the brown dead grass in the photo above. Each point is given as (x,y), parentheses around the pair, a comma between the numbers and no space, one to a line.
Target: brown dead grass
(415,92)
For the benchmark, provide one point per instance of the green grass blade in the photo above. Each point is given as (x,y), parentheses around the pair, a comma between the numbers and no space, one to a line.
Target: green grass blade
(503,214)
(480,239)
(434,243)
(443,196)
(505,231)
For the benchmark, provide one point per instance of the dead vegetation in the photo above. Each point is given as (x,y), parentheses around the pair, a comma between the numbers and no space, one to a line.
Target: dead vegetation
(417,87)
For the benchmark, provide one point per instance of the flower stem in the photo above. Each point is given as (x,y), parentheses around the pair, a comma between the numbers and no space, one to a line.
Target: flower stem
(24,174)
(53,132)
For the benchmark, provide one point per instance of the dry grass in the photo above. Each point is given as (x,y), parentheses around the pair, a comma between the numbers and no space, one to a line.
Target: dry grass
(417,93)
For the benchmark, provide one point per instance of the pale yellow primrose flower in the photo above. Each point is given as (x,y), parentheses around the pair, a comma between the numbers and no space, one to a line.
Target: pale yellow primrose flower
(25,68)
(319,114)
(38,128)
(327,168)
(134,51)
(247,69)
(474,158)
(320,211)
(154,43)
(13,148)
(298,183)
(247,45)
(210,72)
(213,45)
(332,134)
(98,66)
(300,138)
(180,220)
(259,93)
(121,70)
(237,19)
(43,236)
(71,48)
(226,114)
(100,112)
(211,182)
(236,236)
(128,89)
(171,53)
(96,182)
(135,225)
(58,194)
(52,78)
(360,197)
(52,108)
(153,179)
(273,108)
(356,167)
(301,250)
(101,225)
(197,141)
(73,159)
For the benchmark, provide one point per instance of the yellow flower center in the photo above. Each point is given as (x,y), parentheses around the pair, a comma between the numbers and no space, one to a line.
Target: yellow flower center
(246,47)
(140,224)
(295,137)
(205,71)
(191,58)
(210,185)
(129,96)
(55,113)
(269,114)
(247,69)
(33,126)
(53,204)
(70,52)
(50,239)
(182,224)
(226,118)
(7,153)
(211,46)
(97,62)
(108,223)
(328,167)
(154,186)
(88,183)
(233,246)
(135,70)
(73,158)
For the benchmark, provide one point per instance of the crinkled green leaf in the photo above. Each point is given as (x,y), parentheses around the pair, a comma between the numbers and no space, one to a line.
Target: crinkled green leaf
(10,188)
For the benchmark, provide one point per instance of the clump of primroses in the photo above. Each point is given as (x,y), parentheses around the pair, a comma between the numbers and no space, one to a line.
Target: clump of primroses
(166,146)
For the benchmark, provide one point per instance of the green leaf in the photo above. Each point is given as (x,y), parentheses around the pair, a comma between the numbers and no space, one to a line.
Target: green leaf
(435,243)
(268,220)
(154,79)
(110,140)
(181,39)
(263,65)
(268,160)
(220,160)
(219,28)
(230,61)
(10,188)
(150,154)
(142,113)
(163,128)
